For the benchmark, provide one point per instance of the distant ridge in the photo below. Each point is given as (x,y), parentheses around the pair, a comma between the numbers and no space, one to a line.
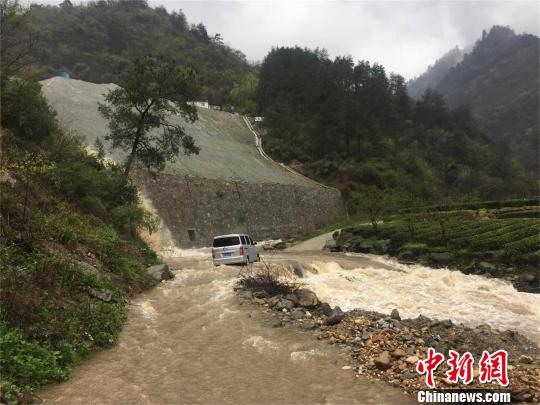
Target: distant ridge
(499,79)
(434,73)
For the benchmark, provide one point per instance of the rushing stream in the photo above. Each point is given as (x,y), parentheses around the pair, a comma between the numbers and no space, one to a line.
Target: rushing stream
(384,284)
(189,341)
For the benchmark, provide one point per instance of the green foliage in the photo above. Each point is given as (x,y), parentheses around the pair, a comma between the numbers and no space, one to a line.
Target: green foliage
(150,91)
(244,94)
(18,39)
(354,126)
(68,226)
(26,363)
(499,80)
(25,111)
(97,40)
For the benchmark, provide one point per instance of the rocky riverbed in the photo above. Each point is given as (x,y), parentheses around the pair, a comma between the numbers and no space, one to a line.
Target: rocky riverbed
(388,348)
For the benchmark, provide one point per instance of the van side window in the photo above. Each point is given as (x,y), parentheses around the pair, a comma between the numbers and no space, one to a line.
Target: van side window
(243,239)
(251,241)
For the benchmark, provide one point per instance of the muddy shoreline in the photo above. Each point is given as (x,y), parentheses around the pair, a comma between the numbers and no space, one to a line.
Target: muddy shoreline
(387,348)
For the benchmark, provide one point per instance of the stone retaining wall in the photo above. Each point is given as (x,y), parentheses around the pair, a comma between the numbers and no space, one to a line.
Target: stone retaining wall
(195,209)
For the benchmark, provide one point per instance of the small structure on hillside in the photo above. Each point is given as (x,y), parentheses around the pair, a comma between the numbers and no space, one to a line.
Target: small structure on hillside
(200,104)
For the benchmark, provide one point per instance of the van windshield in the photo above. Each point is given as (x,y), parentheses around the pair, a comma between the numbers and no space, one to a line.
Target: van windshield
(227,241)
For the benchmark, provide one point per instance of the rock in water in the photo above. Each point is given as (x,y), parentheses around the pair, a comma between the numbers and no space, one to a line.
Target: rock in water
(383,362)
(335,317)
(306,298)
(395,315)
(160,272)
(441,257)
(245,294)
(275,323)
(296,268)
(326,309)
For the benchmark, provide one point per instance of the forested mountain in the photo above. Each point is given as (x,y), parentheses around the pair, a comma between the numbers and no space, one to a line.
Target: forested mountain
(353,125)
(434,73)
(94,41)
(499,80)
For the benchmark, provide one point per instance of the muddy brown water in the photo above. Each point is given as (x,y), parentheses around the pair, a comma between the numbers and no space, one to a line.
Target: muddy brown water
(190,341)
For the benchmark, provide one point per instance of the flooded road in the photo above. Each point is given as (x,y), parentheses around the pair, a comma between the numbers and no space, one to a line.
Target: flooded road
(189,341)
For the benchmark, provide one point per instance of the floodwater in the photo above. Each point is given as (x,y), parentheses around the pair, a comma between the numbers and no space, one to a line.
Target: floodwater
(190,341)
(381,284)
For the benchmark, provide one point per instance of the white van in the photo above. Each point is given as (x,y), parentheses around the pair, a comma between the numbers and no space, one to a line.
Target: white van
(234,249)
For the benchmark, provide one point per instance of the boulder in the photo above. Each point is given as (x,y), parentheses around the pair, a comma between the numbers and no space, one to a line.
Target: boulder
(284,304)
(395,315)
(485,266)
(326,309)
(306,298)
(407,375)
(86,267)
(245,294)
(399,353)
(335,317)
(260,294)
(160,272)
(381,246)
(440,257)
(383,361)
(293,298)
(525,359)
(298,314)
(412,360)
(296,268)
(103,295)
(275,323)
(362,247)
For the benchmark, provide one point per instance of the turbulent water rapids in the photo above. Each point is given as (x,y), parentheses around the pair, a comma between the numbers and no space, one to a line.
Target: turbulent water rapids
(190,341)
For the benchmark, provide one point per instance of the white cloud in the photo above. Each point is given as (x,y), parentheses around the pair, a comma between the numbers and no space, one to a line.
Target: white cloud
(403,36)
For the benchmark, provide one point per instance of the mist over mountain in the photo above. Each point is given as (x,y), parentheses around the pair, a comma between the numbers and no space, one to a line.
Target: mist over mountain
(499,80)
(434,73)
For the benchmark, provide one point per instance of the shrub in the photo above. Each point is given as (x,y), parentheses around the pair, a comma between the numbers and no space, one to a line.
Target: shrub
(415,248)
(268,280)
(27,363)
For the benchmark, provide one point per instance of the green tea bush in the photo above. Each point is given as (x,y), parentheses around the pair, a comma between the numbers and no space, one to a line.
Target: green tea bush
(525,245)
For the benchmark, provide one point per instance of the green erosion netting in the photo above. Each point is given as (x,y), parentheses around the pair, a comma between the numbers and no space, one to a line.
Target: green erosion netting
(228,149)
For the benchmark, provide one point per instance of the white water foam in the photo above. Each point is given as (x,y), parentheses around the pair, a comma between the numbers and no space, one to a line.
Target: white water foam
(436,293)
(260,344)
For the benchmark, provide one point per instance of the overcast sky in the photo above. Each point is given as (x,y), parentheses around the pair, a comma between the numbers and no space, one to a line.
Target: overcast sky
(403,36)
